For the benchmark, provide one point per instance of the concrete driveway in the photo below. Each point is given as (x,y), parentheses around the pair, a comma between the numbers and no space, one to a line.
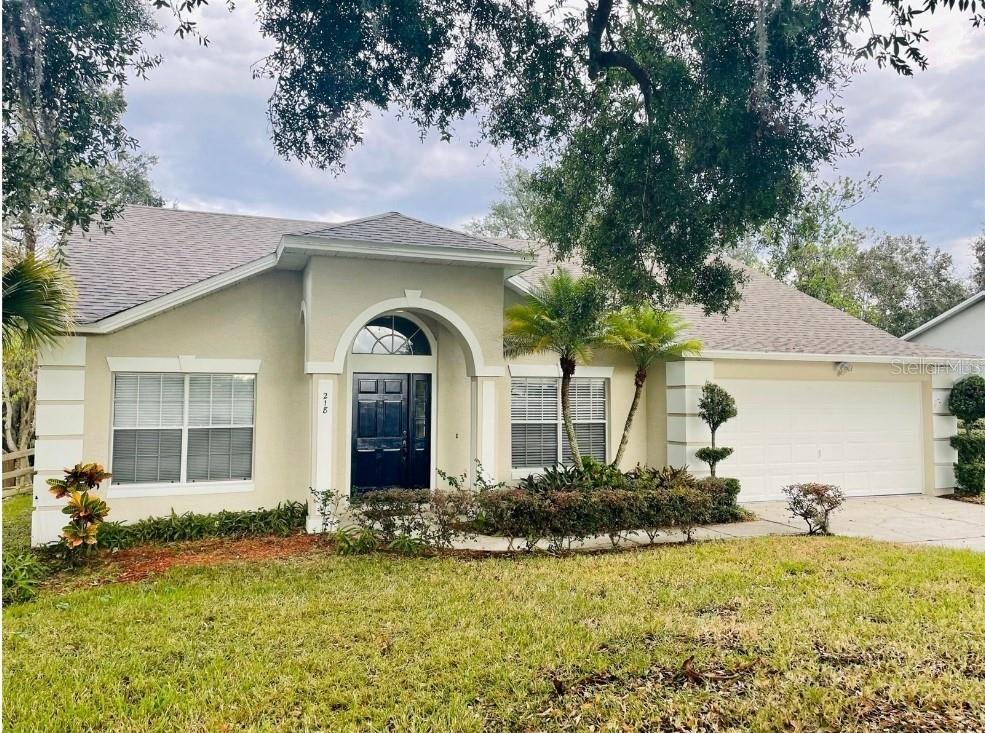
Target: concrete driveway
(912,519)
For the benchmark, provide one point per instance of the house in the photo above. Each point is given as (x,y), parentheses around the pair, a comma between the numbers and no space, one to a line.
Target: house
(962,328)
(232,362)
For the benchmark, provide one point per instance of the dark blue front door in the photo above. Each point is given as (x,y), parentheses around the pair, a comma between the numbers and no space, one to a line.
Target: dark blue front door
(391,431)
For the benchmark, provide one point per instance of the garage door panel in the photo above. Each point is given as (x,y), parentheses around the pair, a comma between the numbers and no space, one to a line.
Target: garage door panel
(863,436)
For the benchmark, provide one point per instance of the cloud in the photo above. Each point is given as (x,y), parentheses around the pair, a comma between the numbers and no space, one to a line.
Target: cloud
(204,116)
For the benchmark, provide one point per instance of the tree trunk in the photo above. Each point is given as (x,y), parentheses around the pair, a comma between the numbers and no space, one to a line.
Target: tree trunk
(567,371)
(712,465)
(638,382)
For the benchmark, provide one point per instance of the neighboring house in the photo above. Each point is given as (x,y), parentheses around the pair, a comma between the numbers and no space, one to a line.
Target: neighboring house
(962,328)
(232,362)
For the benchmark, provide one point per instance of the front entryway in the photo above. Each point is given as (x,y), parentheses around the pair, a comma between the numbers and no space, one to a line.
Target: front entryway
(391,431)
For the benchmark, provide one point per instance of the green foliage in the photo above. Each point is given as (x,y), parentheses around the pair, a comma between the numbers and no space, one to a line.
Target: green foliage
(814,503)
(716,407)
(65,66)
(355,540)
(724,493)
(38,296)
(978,265)
(512,216)
(967,400)
(285,519)
(564,315)
(22,576)
(970,478)
(86,512)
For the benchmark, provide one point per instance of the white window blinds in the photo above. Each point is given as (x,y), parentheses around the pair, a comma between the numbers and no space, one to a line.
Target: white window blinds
(182,428)
(537,431)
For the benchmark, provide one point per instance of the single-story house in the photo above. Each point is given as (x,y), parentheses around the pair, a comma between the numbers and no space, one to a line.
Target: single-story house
(232,362)
(961,328)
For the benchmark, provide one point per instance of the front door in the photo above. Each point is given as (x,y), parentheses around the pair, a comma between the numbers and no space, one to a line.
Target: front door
(391,431)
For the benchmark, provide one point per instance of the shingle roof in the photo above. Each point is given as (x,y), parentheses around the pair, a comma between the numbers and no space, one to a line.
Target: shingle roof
(772,318)
(396,228)
(151,251)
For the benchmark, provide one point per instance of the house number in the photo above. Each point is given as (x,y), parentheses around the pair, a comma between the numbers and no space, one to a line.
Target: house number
(324,403)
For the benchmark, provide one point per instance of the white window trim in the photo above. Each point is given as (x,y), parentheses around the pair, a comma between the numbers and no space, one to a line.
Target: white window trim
(184,364)
(183,487)
(601,373)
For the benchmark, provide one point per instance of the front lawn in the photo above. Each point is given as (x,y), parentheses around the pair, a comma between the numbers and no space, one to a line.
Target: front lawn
(786,633)
(17,524)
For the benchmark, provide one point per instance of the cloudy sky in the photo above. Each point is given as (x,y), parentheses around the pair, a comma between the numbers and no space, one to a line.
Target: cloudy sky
(204,116)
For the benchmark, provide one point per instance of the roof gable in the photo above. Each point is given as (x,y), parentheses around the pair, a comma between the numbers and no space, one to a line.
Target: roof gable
(396,228)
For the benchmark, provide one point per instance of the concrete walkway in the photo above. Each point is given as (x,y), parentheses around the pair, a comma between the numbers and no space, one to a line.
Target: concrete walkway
(910,519)
(913,519)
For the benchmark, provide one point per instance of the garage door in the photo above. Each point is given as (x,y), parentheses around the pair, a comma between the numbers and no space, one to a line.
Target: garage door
(863,436)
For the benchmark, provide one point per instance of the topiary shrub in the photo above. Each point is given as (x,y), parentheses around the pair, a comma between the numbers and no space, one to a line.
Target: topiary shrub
(715,407)
(967,400)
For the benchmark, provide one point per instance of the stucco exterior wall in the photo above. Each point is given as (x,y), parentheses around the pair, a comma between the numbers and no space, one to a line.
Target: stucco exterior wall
(256,319)
(963,332)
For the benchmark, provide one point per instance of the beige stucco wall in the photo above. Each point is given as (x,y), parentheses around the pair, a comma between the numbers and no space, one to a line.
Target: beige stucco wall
(256,319)
(963,332)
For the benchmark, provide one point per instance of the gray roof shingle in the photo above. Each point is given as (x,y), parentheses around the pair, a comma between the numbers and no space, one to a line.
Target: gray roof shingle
(772,318)
(151,251)
(396,228)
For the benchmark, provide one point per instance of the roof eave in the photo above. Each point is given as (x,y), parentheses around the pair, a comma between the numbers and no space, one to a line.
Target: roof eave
(308,245)
(860,358)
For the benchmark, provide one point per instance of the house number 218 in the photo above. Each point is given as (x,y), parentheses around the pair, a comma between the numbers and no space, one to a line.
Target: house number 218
(324,403)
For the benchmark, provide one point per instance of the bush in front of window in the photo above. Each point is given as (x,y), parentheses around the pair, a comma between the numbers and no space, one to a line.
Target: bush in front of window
(285,519)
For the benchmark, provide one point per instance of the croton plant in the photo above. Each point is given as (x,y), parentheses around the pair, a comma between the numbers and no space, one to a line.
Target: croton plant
(85,511)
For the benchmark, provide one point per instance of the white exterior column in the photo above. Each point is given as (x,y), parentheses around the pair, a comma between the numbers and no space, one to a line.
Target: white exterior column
(485,429)
(324,411)
(686,432)
(59,426)
(944,426)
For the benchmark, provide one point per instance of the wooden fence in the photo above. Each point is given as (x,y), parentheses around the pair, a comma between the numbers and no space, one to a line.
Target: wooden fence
(19,485)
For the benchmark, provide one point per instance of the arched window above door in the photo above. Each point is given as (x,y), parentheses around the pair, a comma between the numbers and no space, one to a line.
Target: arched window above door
(392,335)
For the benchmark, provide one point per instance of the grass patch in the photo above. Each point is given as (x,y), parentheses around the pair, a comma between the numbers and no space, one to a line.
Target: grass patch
(17,524)
(782,633)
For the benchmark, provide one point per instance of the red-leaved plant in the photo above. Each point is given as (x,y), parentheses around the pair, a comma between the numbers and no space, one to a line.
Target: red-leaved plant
(85,511)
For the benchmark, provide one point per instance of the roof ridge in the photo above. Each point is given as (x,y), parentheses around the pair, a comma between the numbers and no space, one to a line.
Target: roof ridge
(173,210)
(335,225)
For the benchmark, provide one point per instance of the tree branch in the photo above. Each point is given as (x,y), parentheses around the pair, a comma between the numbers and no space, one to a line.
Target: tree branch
(597,18)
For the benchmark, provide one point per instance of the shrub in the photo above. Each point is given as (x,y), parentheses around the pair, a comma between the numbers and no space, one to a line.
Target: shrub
(85,511)
(355,540)
(724,495)
(391,513)
(967,400)
(715,407)
(688,507)
(451,514)
(284,519)
(970,468)
(22,576)
(814,503)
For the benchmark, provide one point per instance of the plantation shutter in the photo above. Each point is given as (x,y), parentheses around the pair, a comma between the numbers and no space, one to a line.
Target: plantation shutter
(148,414)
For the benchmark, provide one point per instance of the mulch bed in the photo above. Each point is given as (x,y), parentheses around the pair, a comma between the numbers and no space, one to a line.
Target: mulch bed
(139,563)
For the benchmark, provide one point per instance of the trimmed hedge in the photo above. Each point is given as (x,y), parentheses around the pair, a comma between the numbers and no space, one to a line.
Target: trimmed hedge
(284,519)
(970,468)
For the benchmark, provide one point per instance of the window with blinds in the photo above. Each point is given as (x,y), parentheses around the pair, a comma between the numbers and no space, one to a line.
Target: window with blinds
(170,428)
(537,429)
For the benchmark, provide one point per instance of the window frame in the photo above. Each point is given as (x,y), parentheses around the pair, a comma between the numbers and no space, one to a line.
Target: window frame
(517,472)
(183,485)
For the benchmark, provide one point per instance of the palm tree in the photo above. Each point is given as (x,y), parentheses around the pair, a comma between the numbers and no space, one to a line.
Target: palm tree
(647,335)
(37,301)
(565,316)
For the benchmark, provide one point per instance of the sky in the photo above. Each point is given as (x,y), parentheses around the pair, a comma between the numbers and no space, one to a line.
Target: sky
(204,116)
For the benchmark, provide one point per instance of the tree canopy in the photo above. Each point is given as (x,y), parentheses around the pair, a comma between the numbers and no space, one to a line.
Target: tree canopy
(668,129)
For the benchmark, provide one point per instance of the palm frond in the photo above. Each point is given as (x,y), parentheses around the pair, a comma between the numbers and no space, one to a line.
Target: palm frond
(38,296)
(648,334)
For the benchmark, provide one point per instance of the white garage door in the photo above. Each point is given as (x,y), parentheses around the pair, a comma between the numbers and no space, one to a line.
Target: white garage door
(863,436)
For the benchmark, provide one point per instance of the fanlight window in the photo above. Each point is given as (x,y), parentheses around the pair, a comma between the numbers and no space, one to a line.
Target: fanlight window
(392,335)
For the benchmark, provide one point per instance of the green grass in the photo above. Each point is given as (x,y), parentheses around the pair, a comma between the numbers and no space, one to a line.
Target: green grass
(17,524)
(851,633)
